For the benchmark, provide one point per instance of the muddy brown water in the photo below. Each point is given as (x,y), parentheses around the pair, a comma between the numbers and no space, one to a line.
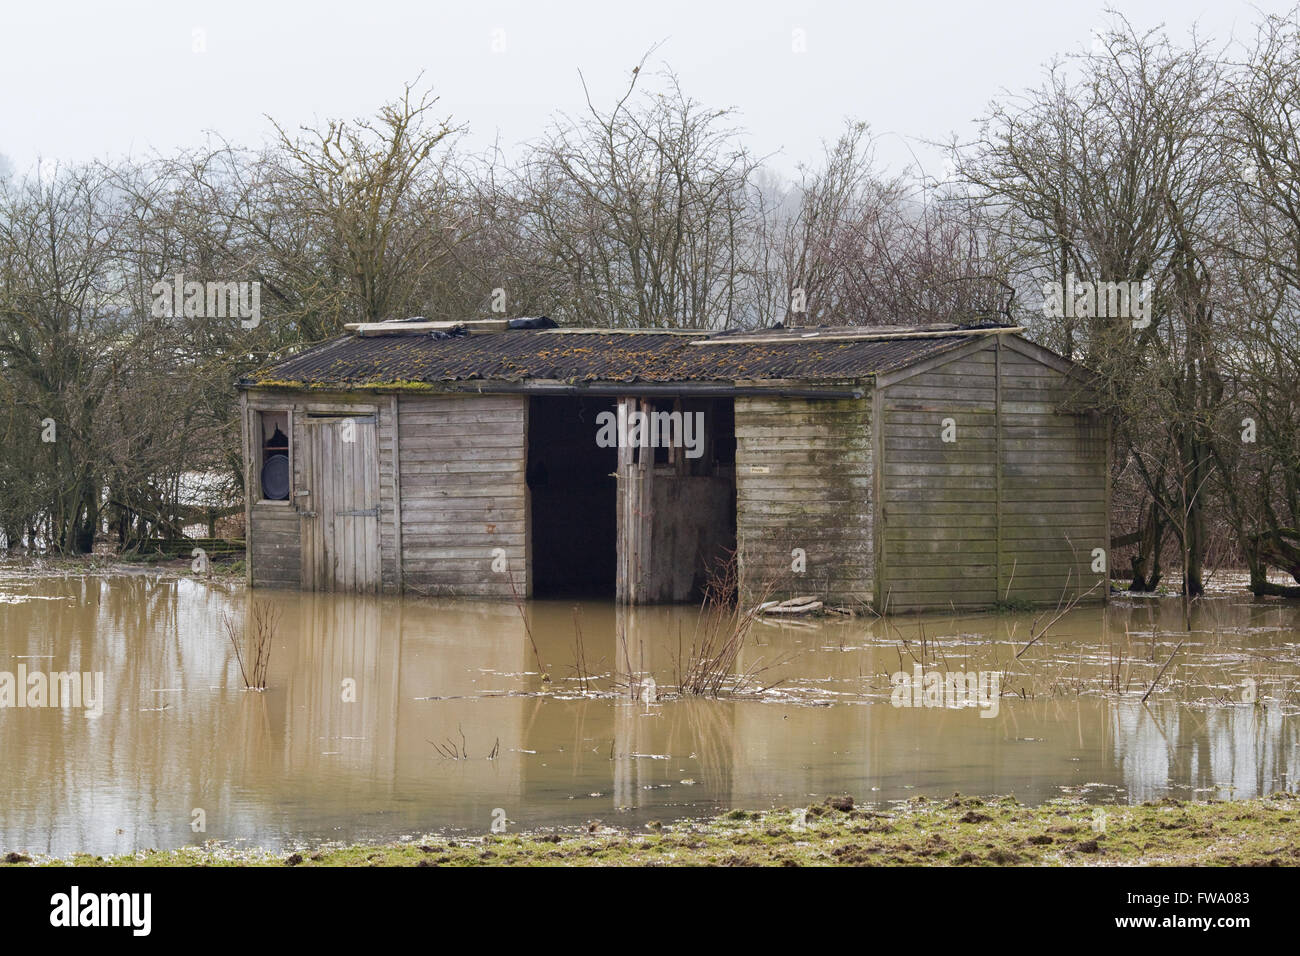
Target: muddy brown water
(369,698)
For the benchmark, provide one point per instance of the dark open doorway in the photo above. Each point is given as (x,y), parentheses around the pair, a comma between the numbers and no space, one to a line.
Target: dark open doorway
(572,488)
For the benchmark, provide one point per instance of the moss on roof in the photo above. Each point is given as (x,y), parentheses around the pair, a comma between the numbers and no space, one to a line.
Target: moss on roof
(422,362)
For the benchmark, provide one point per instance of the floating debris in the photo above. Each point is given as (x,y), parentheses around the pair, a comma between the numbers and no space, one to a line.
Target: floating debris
(805,604)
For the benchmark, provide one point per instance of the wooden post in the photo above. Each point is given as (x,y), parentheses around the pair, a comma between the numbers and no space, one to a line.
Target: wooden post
(624,505)
(1106,460)
(635,517)
(526,494)
(396,445)
(245,431)
(997,464)
(880,518)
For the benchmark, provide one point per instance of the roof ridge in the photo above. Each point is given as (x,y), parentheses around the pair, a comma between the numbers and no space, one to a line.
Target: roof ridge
(847,336)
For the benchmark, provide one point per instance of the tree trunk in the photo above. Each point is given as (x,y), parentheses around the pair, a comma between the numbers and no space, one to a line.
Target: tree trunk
(1146,562)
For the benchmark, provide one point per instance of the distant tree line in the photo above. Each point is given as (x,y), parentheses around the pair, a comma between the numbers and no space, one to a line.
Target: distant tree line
(1140,161)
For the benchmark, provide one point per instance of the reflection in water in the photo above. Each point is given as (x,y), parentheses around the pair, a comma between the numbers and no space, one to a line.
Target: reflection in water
(387,717)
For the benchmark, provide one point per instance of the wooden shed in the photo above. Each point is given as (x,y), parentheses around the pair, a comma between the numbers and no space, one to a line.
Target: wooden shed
(908,469)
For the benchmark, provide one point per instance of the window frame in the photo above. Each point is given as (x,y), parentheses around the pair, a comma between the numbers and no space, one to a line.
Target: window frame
(258,450)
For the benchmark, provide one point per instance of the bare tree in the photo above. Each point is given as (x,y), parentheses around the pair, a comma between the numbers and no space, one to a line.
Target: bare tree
(636,215)
(1112,172)
(353,216)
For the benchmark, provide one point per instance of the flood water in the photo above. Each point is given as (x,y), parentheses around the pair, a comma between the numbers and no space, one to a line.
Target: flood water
(387,717)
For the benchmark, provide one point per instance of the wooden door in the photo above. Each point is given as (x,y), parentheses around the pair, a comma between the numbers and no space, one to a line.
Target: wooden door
(338,501)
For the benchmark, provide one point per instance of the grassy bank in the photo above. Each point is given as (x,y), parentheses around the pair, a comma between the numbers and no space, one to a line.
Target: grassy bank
(959,831)
(228,567)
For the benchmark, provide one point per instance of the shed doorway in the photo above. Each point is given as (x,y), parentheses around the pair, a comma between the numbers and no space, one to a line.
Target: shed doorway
(339,503)
(572,492)
(676,499)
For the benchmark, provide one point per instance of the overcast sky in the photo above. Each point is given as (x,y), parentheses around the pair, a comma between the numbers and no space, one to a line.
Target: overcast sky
(93,80)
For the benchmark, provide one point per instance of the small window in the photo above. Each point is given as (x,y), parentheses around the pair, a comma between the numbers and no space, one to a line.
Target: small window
(714,431)
(273,459)
(723,439)
(663,438)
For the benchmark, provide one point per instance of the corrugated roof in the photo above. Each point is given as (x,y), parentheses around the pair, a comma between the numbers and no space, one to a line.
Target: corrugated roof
(424,361)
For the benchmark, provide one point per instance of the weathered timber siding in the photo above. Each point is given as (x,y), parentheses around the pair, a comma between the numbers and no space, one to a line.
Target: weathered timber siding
(804,480)
(1009,510)
(1054,472)
(463,493)
(938,517)
(274,547)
